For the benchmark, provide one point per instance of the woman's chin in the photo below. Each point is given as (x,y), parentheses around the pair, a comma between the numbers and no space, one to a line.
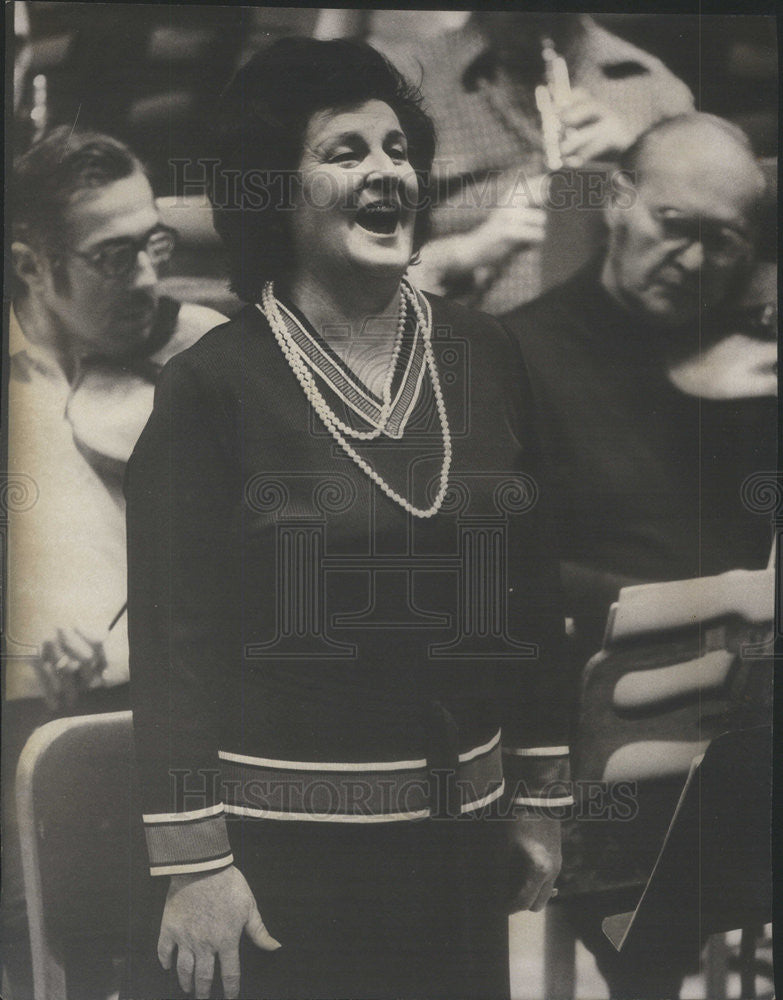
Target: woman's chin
(381,264)
(379,254)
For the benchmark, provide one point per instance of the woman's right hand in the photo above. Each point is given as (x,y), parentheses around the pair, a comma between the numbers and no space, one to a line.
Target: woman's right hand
(204,916)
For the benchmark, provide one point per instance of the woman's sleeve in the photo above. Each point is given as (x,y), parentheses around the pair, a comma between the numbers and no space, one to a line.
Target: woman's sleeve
(181,619)
(536,760)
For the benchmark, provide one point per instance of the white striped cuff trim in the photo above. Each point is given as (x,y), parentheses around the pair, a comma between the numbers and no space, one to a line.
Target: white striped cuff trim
(478,751)
(536,751)
(469,806)
(310,765)
(565,800)
(197,866)
(183,817)
(327,817)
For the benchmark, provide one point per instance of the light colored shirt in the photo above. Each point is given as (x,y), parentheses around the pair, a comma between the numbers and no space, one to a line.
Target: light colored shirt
(66,538)
(67,450)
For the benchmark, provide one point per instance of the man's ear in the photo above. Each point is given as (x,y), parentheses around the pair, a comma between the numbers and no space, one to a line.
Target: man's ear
(28,264)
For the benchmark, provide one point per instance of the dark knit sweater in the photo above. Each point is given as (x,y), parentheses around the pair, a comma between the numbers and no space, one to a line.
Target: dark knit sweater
(285,612)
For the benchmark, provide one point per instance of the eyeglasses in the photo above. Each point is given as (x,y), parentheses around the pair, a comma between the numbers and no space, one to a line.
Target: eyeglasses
(759,321)
(721,244)
(117,259)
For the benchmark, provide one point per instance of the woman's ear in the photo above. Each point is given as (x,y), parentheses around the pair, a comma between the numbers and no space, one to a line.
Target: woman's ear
(28,264)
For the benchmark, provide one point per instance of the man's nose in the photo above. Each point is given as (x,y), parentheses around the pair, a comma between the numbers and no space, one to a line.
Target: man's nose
(144,275)
(691,257)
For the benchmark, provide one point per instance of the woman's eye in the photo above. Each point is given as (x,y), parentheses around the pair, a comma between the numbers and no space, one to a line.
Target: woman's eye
(346,157)
(398,153)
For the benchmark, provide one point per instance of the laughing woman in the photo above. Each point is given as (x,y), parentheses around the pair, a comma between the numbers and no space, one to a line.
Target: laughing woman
(348,709)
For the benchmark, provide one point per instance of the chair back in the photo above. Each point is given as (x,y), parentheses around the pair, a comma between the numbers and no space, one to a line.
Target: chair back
(682,663)
(78,820)
(670,679)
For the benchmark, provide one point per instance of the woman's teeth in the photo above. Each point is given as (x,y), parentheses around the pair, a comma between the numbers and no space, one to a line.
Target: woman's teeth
(378,218)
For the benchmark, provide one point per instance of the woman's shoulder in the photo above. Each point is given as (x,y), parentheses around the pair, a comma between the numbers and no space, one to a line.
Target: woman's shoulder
(484,332)
(471,321)
(225,348)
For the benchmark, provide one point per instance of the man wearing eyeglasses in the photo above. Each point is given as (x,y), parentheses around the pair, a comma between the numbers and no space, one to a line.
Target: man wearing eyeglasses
(89,332)
(654,372)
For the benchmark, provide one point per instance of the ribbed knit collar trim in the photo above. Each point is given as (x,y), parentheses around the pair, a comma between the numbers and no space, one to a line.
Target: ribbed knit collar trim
(406,383)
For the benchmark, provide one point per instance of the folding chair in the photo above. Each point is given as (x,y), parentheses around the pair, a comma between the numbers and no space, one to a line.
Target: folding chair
(78,820)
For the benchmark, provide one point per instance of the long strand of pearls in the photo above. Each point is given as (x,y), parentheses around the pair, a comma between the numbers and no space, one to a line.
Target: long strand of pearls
(270,308)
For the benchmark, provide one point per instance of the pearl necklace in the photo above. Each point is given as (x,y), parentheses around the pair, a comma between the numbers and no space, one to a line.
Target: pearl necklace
(337,428)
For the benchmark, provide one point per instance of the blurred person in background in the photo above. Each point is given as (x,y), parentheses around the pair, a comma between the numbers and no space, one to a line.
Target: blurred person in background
(89,332)
(479,85)
(654,375)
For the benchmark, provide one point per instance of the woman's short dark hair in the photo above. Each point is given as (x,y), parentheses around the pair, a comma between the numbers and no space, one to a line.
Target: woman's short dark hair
(258,139)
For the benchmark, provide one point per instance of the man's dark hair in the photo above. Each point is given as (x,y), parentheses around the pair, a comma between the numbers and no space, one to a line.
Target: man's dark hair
(48,175)
(258,142)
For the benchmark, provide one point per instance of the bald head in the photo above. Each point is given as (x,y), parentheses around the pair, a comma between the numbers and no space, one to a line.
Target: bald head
(688,235)
(700,149)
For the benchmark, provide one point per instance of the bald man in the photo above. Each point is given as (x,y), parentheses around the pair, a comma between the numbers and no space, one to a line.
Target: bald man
(656,393)
(683,222)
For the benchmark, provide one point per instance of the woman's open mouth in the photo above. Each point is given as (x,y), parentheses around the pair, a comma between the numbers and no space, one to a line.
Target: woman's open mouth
(381,217)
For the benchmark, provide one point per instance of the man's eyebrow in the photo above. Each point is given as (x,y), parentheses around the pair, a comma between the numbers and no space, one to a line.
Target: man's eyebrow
(120,240)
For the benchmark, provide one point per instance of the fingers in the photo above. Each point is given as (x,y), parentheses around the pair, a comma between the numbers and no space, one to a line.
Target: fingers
(532,218)
(581,112)
(544,895)
(47,677)
(98,662)
(258,934)
(604,138)
(165,949)
(186,963)
(202,974)
(527,895)
(82,658)
(229,972)
(521,224)
(75,645)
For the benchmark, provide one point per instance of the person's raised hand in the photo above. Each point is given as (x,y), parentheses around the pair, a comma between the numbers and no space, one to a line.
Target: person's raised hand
(517,220)
(592,130)
(204,917)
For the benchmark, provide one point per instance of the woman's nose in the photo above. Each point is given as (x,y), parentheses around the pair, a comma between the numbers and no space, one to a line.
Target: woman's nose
(381,166)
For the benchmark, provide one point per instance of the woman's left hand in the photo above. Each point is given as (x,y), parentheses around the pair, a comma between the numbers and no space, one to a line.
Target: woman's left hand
(535,861)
